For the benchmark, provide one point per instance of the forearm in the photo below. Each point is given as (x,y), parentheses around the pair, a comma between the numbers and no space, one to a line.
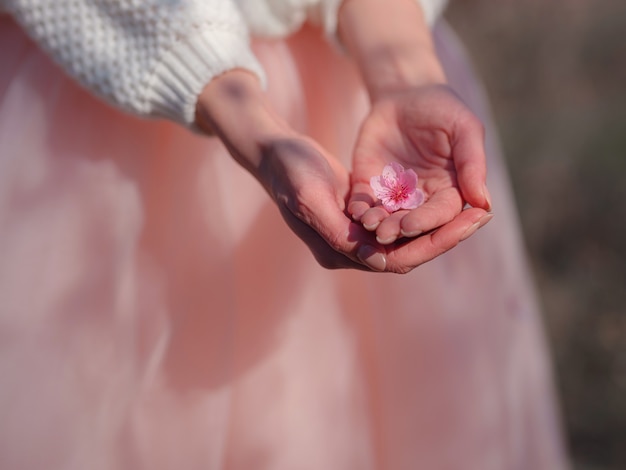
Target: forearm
(391,43)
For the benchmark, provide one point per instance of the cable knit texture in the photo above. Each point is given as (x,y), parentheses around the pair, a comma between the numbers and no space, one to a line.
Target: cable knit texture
(151,57)
(154,57)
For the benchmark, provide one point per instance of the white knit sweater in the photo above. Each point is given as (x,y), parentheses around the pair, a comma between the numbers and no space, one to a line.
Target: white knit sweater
(154,57)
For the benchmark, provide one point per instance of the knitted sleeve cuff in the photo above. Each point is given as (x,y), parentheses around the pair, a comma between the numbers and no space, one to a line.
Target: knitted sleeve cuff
(432,9)
(148,58)
(173,87)
(328,18)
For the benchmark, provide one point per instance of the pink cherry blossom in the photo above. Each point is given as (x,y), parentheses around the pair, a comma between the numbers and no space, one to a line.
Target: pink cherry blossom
(397,188)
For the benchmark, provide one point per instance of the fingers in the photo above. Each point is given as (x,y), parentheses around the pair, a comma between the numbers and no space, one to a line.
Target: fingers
(374,216)
(468,150)
(388,231)
(361,200)
(325,255)
(336,240)
(309,189)
(440,209)
(403,258)
(349,238)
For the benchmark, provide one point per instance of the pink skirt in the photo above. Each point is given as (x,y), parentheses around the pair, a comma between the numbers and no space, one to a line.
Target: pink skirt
(156,312)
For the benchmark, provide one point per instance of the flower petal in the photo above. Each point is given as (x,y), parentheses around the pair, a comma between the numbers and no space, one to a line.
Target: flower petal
(414,199)
(392,172)
(397,188)
(378,186)
(397,168)
(391,205)
(408,178)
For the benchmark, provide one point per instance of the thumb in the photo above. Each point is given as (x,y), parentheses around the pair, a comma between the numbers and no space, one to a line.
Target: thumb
(342,234)
(468,153)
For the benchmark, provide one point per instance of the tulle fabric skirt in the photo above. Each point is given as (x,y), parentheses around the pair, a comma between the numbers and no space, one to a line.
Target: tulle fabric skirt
(156,313)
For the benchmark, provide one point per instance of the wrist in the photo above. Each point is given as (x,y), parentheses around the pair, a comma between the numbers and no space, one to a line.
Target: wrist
(234,108)
(391,43)
(400,72)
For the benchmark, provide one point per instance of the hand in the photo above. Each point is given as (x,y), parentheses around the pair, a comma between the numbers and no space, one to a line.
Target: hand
(309,186)
(415,120)
(430,130)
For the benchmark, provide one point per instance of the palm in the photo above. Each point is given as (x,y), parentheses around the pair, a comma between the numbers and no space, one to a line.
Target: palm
(430,131)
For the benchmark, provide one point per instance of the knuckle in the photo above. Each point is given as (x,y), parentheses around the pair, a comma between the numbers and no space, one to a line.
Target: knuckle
(402,269)
(335,240)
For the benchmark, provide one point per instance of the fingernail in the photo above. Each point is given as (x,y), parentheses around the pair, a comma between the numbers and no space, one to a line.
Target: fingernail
(485,218)
(410,233)
(487,197)
(470,231)
(371,227)
(356,214)
(386,241)
(372,258)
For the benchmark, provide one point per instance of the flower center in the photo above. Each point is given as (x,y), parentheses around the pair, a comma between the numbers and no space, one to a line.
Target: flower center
(399,193)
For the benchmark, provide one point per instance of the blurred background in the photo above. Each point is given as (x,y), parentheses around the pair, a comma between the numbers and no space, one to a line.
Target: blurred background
(556,74)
